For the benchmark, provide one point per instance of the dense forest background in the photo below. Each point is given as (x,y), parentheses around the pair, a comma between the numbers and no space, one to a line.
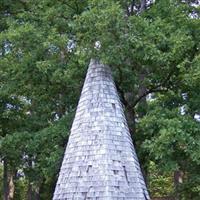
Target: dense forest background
(153,50)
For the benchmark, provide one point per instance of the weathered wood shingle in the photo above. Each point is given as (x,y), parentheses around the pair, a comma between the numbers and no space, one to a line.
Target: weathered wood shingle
(100,162)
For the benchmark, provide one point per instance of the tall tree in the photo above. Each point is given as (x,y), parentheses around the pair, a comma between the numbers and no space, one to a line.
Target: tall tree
(153,50)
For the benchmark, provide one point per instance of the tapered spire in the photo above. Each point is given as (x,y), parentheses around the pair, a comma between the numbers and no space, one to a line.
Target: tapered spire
(100,161)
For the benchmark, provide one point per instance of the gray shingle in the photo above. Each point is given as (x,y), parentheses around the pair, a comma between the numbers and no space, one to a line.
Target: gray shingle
(100,162)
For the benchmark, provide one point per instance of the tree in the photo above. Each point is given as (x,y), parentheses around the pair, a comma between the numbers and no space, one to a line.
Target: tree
(153,50)
(33,75)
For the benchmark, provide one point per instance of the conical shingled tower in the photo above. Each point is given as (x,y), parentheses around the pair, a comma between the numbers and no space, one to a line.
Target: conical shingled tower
(100,162)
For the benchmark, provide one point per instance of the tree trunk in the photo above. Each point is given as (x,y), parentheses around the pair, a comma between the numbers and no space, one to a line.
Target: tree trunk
(29,192)
(130,116)
(5,180)
(178,179)
(33,193)
(37,193)
(143,5)
(11,186)
(142,110)
(142,105)
(8,182)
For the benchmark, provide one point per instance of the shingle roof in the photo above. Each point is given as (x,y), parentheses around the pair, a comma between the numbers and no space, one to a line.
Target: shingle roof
(100,161)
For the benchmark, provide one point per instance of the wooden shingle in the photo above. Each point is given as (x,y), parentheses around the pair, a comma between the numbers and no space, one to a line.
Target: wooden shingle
(100,162)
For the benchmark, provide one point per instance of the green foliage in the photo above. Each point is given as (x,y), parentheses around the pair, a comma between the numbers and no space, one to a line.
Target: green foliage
(21,189)
(173,143)
(38,155)
(157,180)
(45,47)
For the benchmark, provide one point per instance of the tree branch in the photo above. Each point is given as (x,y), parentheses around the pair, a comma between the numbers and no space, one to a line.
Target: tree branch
(132,7)
(146,93)
(142,5)
(157,88)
